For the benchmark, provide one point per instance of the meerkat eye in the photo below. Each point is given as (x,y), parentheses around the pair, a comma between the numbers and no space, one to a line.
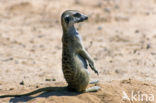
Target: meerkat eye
(67,19)
(77,15)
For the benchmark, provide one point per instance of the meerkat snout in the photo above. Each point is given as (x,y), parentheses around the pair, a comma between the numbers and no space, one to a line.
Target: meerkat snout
(80,17)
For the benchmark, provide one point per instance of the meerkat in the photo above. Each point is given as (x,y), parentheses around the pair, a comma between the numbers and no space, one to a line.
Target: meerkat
(74,58)
(74,55)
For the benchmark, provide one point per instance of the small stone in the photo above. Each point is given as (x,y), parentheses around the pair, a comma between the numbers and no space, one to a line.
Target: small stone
(136,31)
(116,7)
(31,41)
(47,79)
(148,46)
(24,62)
(22,83)
(147,13)
(108,10)
(40,36)
(32,50)
(16,62)
(9,59)
(53,79)
(110,61)
(37,86)
(117,71)
(153,53)
(11,89)
(99,4)
(99,28)
(95,58)
(77,2)
(134,51)
(146,84)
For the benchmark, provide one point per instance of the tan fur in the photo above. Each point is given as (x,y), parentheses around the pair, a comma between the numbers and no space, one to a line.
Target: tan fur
(74,55)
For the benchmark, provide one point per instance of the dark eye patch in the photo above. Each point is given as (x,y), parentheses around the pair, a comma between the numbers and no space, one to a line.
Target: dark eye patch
(67,19)
(77,15)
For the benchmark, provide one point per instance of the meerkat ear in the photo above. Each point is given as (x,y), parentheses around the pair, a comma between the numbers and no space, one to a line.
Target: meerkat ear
(67,19)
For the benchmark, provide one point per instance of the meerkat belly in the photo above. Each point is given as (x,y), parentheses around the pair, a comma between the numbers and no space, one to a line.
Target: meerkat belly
(80,62)
(82,74)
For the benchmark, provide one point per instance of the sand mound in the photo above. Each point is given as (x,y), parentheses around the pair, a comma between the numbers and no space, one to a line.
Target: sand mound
(111,92)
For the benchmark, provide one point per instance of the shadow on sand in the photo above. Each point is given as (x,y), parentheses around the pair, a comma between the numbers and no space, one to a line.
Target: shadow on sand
(55,91)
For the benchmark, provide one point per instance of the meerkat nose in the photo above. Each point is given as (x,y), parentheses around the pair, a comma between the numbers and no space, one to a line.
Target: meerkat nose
(85,17)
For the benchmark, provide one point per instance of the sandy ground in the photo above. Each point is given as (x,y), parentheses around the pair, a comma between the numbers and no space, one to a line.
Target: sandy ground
(120,35)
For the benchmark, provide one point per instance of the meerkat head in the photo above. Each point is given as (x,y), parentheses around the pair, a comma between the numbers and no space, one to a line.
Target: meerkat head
(70,17)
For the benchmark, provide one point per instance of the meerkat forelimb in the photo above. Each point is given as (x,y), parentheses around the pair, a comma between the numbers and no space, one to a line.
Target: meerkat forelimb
(85,54)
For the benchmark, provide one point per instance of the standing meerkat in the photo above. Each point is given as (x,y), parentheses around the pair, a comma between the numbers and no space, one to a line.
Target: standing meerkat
(74,58)
(74,55)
